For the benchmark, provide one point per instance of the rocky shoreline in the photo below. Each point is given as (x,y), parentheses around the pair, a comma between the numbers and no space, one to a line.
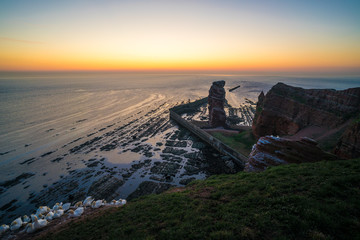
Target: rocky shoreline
(159,155)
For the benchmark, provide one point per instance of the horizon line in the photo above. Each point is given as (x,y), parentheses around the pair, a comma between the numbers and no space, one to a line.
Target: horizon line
(223,72)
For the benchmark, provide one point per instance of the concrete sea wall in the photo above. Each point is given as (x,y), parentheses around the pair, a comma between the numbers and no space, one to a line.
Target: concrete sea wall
(212,141)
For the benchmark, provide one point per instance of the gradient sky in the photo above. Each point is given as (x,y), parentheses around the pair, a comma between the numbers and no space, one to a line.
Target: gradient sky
(269,35)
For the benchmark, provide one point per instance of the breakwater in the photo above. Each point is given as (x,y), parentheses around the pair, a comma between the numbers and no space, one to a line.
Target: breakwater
(212,141)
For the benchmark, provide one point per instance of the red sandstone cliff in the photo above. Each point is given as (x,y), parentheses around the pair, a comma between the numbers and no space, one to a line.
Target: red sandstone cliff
(349,144)
(285,110)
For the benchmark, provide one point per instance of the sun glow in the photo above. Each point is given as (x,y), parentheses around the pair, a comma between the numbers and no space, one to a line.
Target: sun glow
(167,36)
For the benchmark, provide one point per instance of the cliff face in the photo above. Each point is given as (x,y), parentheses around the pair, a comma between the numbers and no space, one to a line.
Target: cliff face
(273,151)
(349,144)
(285,110)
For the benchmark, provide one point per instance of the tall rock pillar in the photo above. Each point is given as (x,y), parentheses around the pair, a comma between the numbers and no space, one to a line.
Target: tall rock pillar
(216,100)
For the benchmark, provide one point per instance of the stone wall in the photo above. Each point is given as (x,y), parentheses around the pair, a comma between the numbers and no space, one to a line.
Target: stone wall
(217,144)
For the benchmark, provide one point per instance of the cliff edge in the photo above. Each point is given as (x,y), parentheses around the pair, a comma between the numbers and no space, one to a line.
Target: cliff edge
(325,113)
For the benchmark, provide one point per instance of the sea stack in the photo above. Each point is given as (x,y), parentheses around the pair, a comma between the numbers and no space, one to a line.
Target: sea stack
(216,100)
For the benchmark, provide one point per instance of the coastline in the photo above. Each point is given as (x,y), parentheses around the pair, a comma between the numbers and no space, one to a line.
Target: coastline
(143,146)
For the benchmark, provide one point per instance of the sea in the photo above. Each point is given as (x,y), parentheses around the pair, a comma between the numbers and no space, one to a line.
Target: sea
(64,135)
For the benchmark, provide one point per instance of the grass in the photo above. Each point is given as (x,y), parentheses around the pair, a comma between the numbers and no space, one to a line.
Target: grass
(241,142)
(305,201)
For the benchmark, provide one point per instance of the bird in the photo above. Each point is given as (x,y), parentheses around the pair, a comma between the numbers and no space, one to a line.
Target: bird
(16,224)
(88,201)
(39,215)
(49,216)
(39,223)
(26,219)
(32,217)
(77,212)
(58,213)
(78,204)
(97,204)
(119,202)
(30,228)
(114,202)
(66,206)
(56,206)
(71,213)
(42,210)
(4,228)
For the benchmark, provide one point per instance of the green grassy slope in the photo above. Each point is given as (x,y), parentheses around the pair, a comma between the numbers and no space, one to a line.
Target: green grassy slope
(305,201)
(241,142)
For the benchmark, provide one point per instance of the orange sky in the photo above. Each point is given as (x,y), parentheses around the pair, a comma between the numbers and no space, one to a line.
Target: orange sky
(183,36)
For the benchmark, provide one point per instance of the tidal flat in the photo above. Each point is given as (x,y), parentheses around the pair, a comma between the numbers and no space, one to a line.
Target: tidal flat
(66,136)
(87,137)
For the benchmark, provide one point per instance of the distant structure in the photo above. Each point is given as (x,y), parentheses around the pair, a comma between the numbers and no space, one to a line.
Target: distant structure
(234,88)
(216,100)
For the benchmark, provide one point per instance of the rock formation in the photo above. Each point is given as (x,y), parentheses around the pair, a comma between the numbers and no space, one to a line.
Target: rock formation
(349,144)
(216,100)
(273,151)
(286,109)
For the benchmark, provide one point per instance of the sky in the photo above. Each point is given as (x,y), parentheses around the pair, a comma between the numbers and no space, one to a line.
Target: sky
(186,35)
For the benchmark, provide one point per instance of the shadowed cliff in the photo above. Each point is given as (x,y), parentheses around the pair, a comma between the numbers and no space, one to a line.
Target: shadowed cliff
(326,115)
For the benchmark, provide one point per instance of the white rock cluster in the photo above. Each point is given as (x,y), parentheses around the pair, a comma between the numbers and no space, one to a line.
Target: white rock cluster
(45,214)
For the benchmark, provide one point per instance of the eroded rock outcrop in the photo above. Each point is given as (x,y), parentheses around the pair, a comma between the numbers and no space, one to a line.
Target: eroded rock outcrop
(285,110)
(274,151)
(322,114)
(216,101)
(349,144)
